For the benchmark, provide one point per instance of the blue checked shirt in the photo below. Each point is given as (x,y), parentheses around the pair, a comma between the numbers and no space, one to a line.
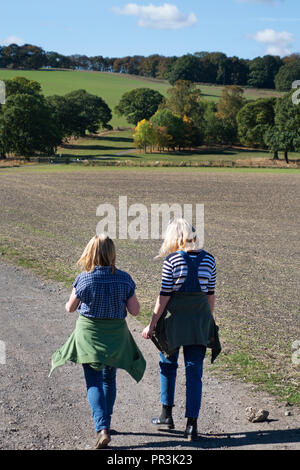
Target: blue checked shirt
(103,294)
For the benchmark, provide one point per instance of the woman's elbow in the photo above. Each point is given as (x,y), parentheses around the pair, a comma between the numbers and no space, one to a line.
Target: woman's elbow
(67,307)
(136,310)
(70,308)
(133,305)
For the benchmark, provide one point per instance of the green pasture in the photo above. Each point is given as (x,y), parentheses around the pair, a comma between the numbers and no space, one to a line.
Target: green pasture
(110,86)
(118,145)
(117,148)
(75,168)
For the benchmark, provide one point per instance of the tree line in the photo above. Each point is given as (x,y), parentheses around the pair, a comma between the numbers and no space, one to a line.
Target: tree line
(32,124)
(184,120)
(201,67)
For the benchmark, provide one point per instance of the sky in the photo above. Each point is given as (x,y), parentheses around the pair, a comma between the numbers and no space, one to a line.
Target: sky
(119,28)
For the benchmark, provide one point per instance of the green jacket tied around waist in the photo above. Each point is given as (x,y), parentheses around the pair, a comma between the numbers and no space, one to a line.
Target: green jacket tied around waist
(187,320)
(100,343)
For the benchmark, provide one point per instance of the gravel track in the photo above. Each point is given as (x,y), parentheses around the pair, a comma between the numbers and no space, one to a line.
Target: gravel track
(41,413)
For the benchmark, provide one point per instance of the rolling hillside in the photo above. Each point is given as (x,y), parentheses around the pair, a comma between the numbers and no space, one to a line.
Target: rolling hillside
(110,86)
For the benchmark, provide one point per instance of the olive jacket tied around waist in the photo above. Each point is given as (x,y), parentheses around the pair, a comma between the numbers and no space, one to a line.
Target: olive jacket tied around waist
(187,320)
(100,343)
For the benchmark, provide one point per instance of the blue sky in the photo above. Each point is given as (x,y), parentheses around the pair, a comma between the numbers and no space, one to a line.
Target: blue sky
(116,28)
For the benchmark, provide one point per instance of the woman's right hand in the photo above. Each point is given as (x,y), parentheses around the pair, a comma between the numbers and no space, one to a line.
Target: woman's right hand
(147,332)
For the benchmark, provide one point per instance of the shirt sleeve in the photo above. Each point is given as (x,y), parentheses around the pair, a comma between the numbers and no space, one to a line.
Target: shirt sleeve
(131,288)
(77,285)
(166,278)
(212,282)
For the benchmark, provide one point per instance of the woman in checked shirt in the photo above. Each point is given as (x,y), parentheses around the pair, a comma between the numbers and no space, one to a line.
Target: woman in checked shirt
(101,341)
(186,269)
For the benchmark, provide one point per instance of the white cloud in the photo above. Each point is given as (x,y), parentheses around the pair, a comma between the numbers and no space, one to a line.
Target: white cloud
(166,16)
(12,40)
(267,2)
(276,42)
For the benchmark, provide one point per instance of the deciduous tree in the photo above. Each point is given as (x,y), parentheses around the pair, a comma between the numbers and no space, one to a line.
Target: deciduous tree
(22,85)
(254,119)
(144,135)
(90,112)
(183,98)
(186,67)
(173,124)
(287,74)
(27,126)
(231,101)
(138,104)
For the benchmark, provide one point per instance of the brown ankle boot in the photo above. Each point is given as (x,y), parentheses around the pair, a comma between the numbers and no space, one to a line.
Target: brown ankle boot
(103,439)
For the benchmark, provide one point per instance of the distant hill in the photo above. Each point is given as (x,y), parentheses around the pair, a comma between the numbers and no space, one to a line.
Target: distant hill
(111,86)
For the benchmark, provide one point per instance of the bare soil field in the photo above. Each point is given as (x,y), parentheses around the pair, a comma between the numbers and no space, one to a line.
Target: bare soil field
(251,227)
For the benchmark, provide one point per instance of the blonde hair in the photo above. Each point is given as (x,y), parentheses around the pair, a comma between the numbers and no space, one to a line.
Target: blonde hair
(180,235)
(100,251)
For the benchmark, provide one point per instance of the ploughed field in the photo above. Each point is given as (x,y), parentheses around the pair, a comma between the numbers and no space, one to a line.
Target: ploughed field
(251,227)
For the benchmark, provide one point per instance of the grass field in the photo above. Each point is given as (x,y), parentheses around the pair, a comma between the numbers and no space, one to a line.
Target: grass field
(110,86)
(117,148)
(119,145)
(251,227)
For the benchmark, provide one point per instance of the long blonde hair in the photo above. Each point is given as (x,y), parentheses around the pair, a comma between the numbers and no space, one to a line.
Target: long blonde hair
(100,251)
(180,235)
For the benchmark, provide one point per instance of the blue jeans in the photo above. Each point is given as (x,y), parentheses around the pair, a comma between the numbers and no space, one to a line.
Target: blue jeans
(193,359)
(101,393)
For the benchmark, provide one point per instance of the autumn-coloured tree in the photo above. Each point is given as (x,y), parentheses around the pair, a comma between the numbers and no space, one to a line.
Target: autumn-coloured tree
(144,135)
(183,98)
(193,136)
(231,101)
(173,123)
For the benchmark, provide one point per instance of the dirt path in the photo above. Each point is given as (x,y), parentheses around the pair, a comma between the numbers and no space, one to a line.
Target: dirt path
(37,412)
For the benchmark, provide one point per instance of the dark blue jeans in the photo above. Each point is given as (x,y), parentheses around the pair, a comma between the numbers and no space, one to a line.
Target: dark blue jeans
(193,359)
(101,393)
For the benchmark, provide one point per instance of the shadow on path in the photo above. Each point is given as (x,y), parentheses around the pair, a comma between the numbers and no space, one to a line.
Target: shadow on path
(217,441)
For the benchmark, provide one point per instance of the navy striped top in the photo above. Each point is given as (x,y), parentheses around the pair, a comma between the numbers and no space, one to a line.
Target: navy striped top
(174,273)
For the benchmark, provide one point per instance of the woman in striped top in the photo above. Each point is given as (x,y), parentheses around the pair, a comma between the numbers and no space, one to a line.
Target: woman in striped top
(174,273)
(186,268)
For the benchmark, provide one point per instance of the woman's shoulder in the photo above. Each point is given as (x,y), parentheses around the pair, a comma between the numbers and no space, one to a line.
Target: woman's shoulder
(80,279)
(176,255)
(174,259)
(124,275)
(209,255)
(172,256)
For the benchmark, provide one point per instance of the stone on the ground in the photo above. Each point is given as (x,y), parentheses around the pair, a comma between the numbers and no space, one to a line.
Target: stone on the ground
(256,415)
